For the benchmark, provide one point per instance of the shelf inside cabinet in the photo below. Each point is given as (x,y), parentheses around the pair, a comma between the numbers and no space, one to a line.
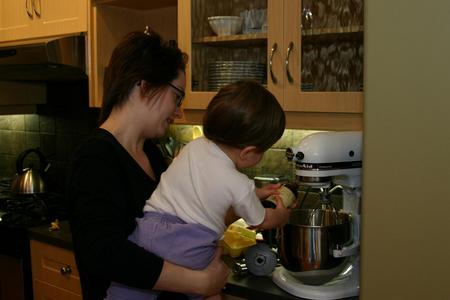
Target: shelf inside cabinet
(234,40)
(137,4)
(326,36)
(337,30)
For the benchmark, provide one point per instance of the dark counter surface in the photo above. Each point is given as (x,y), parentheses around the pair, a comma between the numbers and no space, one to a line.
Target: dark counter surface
(255,287)
(61,238)
(247,286)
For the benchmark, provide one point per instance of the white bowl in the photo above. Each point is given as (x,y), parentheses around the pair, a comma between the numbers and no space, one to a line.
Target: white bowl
(225,25)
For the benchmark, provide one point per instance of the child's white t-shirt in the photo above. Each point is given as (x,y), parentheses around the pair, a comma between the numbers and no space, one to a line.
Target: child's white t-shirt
(201,184)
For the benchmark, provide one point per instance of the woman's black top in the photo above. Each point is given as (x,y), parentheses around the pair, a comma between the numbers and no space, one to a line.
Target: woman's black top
(106,191)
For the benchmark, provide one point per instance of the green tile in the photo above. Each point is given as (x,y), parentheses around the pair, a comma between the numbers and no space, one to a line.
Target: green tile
(4,123)
(7,166)
(285,141)
(182,133)
(4,140)
(275,162)
(252,172)
(64,125)
(48,144)
(32,140)
(17,122)
(47,124)
(31,122)
(15,142)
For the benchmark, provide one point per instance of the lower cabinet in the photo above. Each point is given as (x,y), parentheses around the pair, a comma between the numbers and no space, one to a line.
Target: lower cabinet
(55,275)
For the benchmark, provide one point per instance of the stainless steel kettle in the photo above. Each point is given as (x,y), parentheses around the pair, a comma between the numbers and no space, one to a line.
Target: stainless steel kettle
(30,180)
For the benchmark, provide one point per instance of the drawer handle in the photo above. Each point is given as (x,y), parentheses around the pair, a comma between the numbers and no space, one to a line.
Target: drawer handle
(65,270)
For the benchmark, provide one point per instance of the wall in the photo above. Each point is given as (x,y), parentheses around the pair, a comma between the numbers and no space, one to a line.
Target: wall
(406,176)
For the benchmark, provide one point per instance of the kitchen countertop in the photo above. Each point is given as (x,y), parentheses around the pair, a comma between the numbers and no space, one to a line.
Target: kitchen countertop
(247,286)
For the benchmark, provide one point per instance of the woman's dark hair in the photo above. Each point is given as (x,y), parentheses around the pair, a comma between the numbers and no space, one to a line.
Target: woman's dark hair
(244,114)
(139,56)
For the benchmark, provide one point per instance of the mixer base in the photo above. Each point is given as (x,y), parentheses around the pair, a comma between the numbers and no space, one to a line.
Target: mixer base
(344,285)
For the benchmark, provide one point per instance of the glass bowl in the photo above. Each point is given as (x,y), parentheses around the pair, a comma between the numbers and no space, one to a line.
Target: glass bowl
(225,25)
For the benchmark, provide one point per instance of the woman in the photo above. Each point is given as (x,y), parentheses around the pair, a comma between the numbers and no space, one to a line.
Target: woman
(117,168)
(187,213)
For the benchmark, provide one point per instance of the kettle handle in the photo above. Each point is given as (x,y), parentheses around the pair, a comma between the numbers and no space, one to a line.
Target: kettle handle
(42,160)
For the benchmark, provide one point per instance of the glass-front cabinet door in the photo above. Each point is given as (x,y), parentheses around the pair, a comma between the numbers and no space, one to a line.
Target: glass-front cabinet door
(307,53)
(226,41)
(323,48)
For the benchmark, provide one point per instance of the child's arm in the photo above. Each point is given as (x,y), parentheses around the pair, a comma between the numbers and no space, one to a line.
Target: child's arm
(267,190)
(231,216)
(275,217)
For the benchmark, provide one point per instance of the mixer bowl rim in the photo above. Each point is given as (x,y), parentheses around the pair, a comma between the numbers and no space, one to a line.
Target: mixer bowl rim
(345,222)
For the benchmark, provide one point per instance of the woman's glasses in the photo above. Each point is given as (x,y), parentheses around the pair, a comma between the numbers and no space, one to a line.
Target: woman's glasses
(180,94)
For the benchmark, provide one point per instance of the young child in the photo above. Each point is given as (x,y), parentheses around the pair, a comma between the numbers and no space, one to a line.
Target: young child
(203,191)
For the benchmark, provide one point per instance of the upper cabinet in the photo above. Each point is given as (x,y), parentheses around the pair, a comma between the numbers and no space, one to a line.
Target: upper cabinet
(309,54)
(30,19)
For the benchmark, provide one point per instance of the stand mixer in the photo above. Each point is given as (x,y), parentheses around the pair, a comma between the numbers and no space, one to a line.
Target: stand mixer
(319,248)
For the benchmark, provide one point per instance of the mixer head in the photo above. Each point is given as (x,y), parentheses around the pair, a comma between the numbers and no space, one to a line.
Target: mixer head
(325,157)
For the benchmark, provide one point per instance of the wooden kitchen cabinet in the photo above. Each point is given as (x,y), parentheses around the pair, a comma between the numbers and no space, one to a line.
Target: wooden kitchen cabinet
(55,275)
(32,19)
(281,48)
(110,20)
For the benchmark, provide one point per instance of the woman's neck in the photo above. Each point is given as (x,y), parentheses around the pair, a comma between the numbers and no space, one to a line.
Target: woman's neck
(126,129)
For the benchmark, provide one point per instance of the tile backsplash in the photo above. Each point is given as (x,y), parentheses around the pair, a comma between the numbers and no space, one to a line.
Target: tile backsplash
(56,134)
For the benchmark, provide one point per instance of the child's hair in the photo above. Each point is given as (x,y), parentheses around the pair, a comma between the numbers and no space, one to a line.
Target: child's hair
(244,114)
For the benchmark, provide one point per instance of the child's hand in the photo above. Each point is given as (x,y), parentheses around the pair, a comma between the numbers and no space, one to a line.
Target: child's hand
(268,190)
(281,214)
(275,217)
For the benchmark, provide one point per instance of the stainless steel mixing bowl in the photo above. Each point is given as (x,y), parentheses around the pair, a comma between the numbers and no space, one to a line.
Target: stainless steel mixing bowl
(307,241)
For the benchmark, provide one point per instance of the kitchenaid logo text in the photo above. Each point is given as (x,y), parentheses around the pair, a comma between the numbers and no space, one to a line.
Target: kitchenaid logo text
(328,166)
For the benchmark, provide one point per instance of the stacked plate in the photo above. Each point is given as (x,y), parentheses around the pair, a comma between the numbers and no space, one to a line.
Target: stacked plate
(223,72)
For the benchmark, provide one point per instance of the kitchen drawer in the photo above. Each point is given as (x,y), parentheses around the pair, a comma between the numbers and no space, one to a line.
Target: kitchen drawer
(54,267)
(45,291)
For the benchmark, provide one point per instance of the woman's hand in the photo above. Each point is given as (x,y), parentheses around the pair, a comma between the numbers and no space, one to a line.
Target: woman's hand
(268,190)
(207,282)
(215,275)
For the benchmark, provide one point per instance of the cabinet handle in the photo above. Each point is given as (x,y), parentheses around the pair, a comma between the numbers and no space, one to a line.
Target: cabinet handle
(65,270)
(272,51)
(288,73)
(36,11)
(30,14)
